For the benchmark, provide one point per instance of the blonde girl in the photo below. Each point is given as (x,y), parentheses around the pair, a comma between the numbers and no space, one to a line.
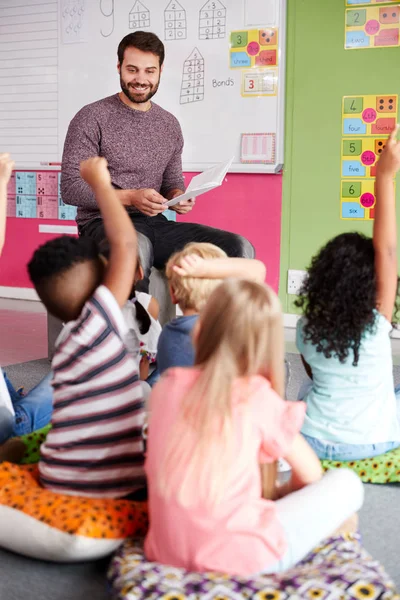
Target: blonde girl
(212,425)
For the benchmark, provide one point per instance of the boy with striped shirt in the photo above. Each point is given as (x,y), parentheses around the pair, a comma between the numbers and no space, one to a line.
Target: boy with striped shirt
(95,447)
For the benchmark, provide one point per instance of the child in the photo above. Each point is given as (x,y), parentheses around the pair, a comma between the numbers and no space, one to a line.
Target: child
(211,425)
(141,317)
(95,446)
(191,282)
(18,414)
(348,300)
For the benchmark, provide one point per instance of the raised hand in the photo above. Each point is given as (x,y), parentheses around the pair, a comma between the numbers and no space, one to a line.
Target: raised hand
(389,161)
(95,171)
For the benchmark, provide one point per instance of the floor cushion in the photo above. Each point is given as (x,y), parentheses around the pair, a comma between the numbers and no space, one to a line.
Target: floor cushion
(41,524)
(33,441)
(384,468)
(340,569)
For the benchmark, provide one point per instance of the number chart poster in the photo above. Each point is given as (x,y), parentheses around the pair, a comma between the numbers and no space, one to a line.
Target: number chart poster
(254,48)
(366,123)
(372,27)
(352,2)
(36,195)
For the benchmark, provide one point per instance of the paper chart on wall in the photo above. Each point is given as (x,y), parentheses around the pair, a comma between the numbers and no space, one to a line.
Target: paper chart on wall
(366,123)
(353,2)
(372,27)
(254,48)
(261,12)
(258,148)
(369,115)
(73,21)
(259,82)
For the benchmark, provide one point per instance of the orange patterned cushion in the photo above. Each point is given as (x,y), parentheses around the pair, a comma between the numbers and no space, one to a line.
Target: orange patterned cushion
(84,518)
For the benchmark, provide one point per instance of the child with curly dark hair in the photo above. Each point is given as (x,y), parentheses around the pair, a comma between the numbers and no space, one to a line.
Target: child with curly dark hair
(348,301)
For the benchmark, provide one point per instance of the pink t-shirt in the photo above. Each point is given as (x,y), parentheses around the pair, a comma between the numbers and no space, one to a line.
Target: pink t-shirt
(242,534)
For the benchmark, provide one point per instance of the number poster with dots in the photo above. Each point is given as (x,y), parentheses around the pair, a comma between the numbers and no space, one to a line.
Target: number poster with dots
(372,27)
(366,123)
(254,48)
(352,2)
(36,194)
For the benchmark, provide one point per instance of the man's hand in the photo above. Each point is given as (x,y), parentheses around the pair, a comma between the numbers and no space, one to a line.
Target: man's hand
(183,207)
(95,172)
(6,167)
(148,201)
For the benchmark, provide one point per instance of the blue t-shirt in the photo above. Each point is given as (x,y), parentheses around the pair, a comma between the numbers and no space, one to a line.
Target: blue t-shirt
(175,348)
(347,404)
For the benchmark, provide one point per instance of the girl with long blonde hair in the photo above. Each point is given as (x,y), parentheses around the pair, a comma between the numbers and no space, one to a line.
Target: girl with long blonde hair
(211,427)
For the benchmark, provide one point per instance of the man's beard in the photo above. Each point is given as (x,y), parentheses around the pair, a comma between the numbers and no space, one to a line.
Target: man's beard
(134,96)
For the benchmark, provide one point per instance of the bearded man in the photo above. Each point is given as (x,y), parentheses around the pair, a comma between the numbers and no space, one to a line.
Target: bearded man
(143,145)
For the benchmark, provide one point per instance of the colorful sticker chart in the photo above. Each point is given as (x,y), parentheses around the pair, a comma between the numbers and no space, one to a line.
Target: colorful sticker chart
(352,2)
(372,27)
(366,124)
(212,21)
(359,156)
(369,115)
(175,25)
(358,199)
(36,195)
(254,48)
(259,82)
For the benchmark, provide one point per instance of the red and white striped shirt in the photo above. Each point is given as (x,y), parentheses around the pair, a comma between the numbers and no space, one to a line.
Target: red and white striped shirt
(95,447)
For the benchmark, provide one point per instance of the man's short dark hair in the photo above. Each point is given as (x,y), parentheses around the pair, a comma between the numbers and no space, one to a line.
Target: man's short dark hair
(144,41)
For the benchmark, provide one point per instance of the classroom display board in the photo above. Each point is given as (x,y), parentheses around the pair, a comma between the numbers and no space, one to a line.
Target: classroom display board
(372,26)
(366,123)
(223,76)
(36,195)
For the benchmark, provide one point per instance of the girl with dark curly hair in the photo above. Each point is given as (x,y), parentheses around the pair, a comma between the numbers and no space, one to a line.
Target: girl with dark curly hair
(348,301)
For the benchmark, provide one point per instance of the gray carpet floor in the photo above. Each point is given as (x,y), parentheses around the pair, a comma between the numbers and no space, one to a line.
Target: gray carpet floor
(22,578)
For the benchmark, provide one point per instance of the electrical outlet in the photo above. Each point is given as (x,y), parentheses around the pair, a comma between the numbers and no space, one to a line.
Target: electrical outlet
(295,281)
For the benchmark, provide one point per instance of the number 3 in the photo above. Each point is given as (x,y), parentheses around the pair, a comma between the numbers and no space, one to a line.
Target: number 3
(251,84)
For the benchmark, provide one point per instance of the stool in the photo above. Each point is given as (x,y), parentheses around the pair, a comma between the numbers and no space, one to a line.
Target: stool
(158,289)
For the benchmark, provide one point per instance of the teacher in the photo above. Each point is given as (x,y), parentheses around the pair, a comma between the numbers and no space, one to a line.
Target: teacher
(143,145)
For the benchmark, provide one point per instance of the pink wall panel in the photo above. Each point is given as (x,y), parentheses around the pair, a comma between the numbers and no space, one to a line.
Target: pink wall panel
(246,204)
(250,205)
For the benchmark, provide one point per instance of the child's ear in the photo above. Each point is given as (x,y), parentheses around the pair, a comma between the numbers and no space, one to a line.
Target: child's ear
(196,332)
(172,294)
(140,274)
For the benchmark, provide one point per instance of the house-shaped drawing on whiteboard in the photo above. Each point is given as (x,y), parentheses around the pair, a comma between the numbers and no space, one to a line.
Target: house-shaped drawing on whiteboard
(192,89)
(212,20)
(175,26)
(139,16)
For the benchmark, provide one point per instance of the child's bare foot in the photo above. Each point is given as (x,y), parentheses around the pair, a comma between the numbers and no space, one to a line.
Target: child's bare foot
(12,451)
(349,526)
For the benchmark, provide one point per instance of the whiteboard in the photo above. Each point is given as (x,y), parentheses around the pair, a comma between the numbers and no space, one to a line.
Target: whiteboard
(58,55)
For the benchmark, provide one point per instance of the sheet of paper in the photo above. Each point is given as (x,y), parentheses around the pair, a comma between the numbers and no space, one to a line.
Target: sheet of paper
(258,148)
(204,182)
(261,12)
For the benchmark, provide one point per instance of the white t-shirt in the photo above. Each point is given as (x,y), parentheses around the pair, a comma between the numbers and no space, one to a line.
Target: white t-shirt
(137,343)
(347,404)
(5,399)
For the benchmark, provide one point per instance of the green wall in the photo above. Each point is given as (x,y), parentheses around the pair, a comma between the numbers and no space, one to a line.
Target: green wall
(319,73)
